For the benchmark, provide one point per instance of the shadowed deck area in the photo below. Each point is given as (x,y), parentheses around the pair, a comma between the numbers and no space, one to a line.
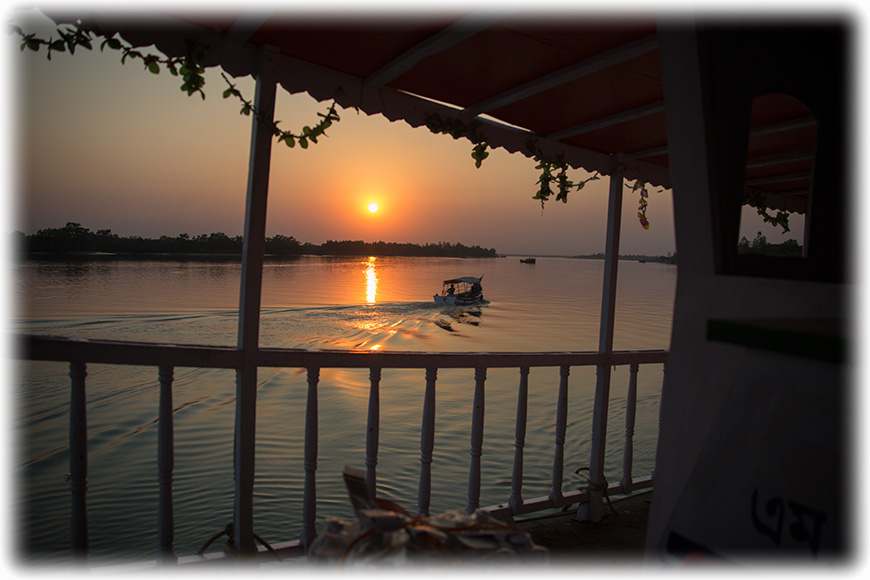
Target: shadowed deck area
(618,538)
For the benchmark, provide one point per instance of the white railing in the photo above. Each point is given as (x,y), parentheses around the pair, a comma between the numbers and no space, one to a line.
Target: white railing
(166,357)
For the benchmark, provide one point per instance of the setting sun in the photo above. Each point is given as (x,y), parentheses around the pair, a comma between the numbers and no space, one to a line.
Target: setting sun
(373,207)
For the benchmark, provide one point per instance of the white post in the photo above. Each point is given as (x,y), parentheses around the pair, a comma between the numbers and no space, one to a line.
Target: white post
(516,499)
(476,441)
(165,467)
(593,510)
(309,497)
(249,307)
(373,434)
(427,443)
(561,427)
(78,460)
(630,412)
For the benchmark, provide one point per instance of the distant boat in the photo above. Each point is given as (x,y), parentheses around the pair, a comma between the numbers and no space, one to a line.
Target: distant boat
(527,261)
(461,291)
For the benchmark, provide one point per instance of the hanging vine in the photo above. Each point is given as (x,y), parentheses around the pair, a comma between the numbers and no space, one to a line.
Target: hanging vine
(553,179)
(458,128)
(554,171)
(82,35)
(757,198)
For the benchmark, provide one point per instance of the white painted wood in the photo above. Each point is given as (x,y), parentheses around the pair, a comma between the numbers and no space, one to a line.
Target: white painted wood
(779,178)
(309,498)
(249,308)
(593,510)
(78,459)
(199,356)
(121,352)
(780,126)
(561,428)
(427,443)
(476,440)
(165,466)
(455,33)
(569,73)
(516,500)
(373,431)
(771,160)
(609,121)
(630,413)
(247,24)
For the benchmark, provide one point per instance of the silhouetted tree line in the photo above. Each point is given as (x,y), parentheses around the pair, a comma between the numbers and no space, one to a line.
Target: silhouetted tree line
(760,245)
(73,238)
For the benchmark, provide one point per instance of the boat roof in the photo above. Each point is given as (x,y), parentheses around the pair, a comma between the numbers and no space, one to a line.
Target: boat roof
(466,279)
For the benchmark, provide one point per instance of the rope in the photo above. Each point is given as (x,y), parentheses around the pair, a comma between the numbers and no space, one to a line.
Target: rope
(230,548)
(601,487)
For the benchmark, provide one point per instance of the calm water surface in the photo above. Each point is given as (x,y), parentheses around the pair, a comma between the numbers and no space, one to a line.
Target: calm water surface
(312,302)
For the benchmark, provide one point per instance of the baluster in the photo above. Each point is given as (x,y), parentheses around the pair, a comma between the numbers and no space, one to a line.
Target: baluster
(373,433)
(165,467)
(427,443)
(561,426)
(78,459)
(476,441)
(659,432)
(630,412)
(309,500)
(593,509)
(516,499)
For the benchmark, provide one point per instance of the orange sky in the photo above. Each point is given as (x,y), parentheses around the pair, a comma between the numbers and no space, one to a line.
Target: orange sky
(113,146)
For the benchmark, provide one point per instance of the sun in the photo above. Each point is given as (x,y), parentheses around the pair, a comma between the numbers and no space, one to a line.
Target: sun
(373,207)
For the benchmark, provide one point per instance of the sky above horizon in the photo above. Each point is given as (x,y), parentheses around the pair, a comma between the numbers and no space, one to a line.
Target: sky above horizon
(112,146)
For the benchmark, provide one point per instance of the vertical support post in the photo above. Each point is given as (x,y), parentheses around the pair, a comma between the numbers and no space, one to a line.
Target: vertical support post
(476,440)
(561,428)
(78,460)
(593,510)
(309,498)
(165,467)
(427,443)
(373,433)
(516,500)
(659,428)
(630,412)
(249,307)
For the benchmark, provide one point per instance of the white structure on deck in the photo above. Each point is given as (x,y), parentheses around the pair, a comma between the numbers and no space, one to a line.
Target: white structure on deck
(703,107)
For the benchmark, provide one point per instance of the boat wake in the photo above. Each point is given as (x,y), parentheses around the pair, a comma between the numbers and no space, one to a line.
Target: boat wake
(408,326)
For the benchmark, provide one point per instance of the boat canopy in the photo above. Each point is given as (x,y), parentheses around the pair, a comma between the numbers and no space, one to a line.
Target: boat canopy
(466,279)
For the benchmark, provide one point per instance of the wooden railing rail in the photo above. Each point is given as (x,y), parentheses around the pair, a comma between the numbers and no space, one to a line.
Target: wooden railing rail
(166,357)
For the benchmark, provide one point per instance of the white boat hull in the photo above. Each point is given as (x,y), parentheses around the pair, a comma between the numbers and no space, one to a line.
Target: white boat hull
(458,300)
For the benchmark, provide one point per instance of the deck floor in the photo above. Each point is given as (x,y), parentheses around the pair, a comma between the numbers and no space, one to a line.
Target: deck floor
(617,539)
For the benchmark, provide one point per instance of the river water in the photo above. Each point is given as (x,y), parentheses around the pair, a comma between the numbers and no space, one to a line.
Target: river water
(311,302)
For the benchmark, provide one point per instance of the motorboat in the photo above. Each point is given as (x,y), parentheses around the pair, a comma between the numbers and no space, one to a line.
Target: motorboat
(527,260)
(461,291)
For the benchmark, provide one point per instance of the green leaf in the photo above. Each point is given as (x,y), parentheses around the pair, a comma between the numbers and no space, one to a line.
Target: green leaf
(154,67)
(289,141)
(303,142)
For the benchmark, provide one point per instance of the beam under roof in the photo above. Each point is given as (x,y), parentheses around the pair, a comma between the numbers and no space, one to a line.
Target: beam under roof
(572,72)
(248,22)
(450,36)
(609,121)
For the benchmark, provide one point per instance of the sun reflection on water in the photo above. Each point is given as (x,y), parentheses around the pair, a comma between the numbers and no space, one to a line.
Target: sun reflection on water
(371,281)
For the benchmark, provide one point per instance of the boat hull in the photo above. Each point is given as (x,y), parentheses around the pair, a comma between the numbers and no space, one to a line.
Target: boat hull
(459,300)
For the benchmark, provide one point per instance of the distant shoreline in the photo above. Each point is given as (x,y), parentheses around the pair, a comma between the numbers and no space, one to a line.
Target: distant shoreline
(73,239)
(669,259)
